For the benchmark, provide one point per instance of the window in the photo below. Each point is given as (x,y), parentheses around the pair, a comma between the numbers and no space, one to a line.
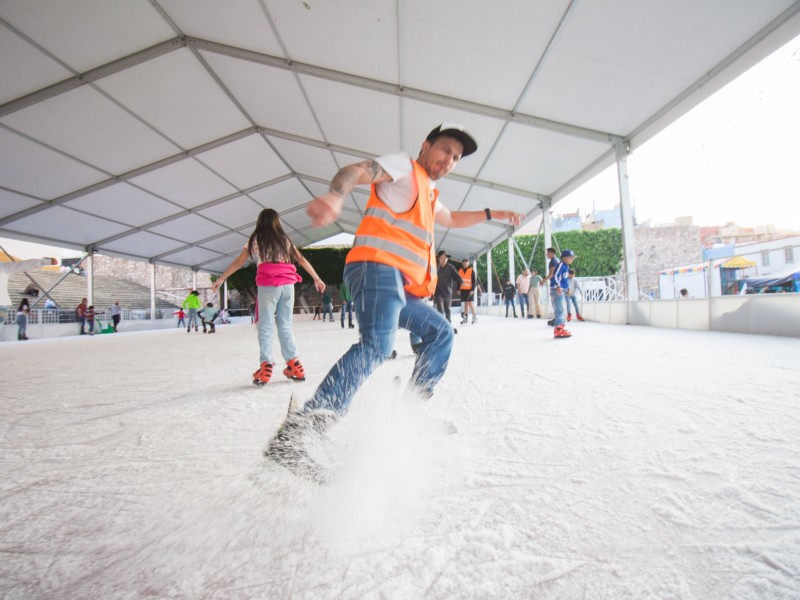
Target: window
(789,253)
(765,258)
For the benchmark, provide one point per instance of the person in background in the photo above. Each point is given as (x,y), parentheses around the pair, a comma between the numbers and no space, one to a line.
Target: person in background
(80,311)
(572,293)
(116,314)
(181,317)
(535,296)
(508,295)
(552,265)
(685,293)
(468,285)
(347,304)
(23,311)
(523,285)
(327,306)
(275,278)
(192,304)
(89,314)
(559,284)
(207,316)
(448,276)
(7,268)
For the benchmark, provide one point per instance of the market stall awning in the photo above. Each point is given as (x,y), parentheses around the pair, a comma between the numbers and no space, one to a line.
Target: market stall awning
(738,262)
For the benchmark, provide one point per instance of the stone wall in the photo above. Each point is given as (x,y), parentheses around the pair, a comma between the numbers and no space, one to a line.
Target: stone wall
(170,281)
(659,248)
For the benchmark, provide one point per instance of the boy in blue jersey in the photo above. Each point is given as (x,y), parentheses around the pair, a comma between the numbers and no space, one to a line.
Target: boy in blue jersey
(559,284)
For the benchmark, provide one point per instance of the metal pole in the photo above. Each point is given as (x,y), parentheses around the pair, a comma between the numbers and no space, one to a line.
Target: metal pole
(152,291)
(626,216)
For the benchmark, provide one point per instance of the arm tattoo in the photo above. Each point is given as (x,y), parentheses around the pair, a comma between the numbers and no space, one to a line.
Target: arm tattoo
(344,181)
(375,170)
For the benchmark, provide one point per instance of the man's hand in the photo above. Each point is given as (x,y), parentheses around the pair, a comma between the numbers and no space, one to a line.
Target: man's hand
(324,210)
(512,217)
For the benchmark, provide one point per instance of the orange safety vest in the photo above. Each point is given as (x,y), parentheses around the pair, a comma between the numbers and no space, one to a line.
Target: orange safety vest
(466,278)
(401,240)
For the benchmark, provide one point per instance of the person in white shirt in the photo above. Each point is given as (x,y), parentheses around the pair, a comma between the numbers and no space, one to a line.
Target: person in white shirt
(523,284)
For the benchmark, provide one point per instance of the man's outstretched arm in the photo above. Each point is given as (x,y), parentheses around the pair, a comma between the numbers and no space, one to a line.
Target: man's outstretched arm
(325,209)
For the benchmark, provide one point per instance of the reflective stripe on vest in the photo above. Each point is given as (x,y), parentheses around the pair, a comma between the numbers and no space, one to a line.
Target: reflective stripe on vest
(401,240)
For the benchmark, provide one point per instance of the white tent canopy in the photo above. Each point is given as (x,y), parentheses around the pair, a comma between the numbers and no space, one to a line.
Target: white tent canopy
(158,129)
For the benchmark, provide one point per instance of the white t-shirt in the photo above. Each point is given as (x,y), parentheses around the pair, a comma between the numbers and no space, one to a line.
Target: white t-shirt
(401,193)
(523,283)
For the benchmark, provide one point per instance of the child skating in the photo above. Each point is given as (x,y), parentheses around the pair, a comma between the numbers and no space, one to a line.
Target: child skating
(276,275)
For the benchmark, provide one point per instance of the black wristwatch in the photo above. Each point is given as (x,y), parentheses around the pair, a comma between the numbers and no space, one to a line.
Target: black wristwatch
(488,212)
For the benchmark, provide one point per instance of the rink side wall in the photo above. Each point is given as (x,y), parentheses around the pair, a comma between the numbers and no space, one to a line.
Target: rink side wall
(767,314)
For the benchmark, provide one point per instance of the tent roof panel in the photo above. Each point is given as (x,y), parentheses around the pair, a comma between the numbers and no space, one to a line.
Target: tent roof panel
(187,183)
(24,163)
(93,131)
(246,162)
(24,69)
(235,213)
(125,203)
(88,33)
(240,23)
(176,96)
(82,228)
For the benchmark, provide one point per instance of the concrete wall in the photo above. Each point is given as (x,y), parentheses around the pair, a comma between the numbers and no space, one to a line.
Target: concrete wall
(766,314)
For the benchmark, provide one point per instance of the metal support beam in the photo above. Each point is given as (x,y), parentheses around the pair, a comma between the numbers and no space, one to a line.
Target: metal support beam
(152,291)
(626,215)
(90,277)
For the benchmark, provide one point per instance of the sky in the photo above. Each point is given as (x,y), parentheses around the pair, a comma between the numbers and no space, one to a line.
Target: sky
(134,469)
(734,157)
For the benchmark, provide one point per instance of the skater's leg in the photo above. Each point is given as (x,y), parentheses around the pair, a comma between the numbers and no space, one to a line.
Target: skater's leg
(436,343)
(267,304)
(378,297)
(283,321)
(558,307)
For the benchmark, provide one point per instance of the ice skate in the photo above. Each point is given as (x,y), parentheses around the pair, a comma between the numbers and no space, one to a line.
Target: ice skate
(263,374)
(298,440)
(569,318)
(474,319)
(294,370)
(560,332)
(580,318)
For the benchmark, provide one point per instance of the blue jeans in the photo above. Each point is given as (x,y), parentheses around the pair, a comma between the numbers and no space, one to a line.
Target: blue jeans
(559,304)
(523,302)
(347,305)
(22,323)
(327,309)
(275,306)
(192,316)
(574,301)
(510,302)
(381,306)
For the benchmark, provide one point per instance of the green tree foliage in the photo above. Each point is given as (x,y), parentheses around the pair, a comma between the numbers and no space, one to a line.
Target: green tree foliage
(599,253)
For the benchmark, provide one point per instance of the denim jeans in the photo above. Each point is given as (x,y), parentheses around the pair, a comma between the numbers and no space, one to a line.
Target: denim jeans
(191,314)
(523,303)
(22,323)
(347,306)
(382,306)
(327,309)
(574,301)
(275,306)
(510,302)
(559,304)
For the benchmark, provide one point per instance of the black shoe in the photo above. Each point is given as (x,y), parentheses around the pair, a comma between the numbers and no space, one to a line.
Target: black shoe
(415,348)
(351,326)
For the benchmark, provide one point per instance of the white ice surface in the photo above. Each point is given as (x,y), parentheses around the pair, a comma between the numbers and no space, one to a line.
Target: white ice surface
(623,463)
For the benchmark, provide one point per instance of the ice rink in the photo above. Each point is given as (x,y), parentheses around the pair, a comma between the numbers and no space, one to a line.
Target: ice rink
(623,463)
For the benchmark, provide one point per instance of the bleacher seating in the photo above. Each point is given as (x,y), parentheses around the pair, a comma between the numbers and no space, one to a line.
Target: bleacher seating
(72,290)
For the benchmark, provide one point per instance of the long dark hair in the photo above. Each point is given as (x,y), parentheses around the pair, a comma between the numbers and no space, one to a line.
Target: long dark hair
(23,303)
(273,243)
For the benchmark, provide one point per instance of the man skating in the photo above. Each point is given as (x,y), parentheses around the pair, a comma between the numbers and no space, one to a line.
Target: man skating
(389,271)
